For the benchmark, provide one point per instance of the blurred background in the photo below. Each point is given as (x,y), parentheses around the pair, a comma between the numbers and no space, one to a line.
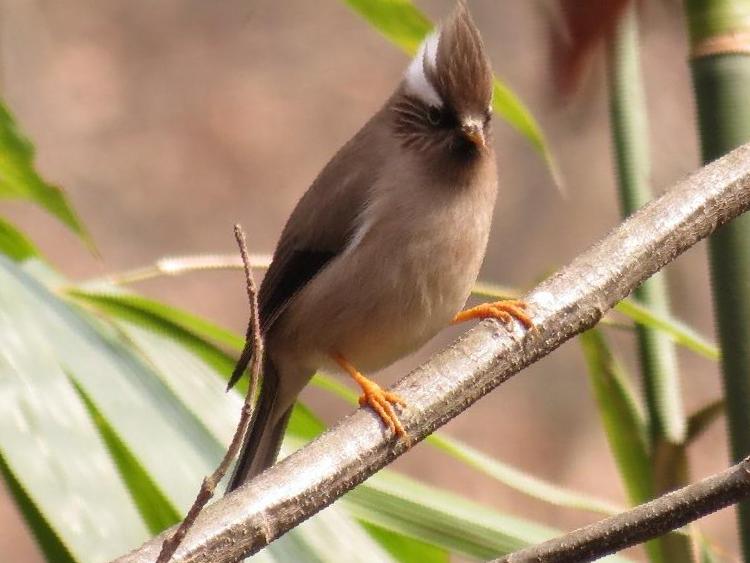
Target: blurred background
(168,122)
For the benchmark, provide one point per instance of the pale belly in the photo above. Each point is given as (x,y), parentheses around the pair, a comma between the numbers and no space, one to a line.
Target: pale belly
(389,296)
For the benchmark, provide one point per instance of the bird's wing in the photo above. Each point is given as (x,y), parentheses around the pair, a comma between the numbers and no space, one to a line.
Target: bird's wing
(323,222)
(320,226)
(294,268)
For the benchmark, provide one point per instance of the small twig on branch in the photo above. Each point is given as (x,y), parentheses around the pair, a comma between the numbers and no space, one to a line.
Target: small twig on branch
(254,339)
(571,301)
(643,522)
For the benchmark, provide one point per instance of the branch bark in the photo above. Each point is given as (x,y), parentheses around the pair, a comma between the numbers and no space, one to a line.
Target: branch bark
(644,522)
(566,304)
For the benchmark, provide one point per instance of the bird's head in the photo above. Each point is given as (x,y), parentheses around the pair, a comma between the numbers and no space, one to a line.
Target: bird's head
(443,105)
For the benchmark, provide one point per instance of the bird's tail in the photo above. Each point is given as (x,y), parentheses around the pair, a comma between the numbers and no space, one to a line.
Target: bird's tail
(264,435)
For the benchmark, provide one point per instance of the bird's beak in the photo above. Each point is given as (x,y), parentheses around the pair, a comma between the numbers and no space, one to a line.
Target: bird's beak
(473,130)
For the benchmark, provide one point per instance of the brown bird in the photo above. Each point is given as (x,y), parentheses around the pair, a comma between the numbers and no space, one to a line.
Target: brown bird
(383,249)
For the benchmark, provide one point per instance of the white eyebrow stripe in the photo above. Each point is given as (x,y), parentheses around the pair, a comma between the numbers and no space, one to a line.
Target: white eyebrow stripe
(416,79)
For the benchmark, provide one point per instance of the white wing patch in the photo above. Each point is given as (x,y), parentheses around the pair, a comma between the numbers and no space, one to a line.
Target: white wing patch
(416,80)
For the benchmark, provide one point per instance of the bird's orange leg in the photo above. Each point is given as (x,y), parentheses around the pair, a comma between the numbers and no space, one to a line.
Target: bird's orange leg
(380,400)
(505,311)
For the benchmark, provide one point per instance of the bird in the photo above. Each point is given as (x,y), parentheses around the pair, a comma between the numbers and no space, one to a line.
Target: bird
(382,251)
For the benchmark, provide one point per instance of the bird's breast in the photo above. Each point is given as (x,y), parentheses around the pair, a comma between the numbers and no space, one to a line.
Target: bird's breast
(415,269)
(402,279)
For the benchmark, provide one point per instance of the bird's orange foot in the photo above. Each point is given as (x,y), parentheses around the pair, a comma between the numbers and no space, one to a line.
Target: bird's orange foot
(380,400)
(504,311)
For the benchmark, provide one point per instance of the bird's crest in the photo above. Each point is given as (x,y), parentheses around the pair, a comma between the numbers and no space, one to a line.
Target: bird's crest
(451,68)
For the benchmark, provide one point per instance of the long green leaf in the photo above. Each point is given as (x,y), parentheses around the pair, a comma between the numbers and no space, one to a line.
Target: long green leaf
(622,419)
(44,533)
(625,428)
(14,244)
(657,353)
(47,440)
(700,420)
(394,501)
(677,330)
(405,25)
(397,502)
(154,507)
(195,333)
(19,179)
(520,480)
(407,549)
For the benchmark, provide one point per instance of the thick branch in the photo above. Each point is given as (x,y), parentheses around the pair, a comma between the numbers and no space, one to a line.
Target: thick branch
(644,522)
(568,303)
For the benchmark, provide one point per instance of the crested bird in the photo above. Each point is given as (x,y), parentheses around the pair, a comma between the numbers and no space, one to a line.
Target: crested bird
(383,249)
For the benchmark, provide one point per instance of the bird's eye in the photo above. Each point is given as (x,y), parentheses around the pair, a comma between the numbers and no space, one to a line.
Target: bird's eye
(434,116)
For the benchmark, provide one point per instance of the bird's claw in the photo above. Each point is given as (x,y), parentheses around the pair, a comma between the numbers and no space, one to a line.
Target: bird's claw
(382,401)
(504,311)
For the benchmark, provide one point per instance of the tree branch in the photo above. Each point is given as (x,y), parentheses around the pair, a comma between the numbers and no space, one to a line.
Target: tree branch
(644,522)
(566,304)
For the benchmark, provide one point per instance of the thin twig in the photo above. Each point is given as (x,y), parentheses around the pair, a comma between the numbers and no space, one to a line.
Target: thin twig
(208,487)
(643,522)
(569,302)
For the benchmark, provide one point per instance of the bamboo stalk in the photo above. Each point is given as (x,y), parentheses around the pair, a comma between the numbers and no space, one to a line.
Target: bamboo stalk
(720,65)
(630,140)
(657,352)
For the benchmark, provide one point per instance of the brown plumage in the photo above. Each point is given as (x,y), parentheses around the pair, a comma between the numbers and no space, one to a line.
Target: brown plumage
(382,250)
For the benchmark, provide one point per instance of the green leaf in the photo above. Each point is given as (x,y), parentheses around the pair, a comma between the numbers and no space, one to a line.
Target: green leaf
(19,179)
(398,20)
(707,553)
(407,549)
(405,25)
(677,330)
(47,440)
(519,480)
(193,332)
(154,507)
(700,420)
(494,291)
(44,534)
(621,416)
(396,502)
(624,424)
(14,244)
(399,503)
